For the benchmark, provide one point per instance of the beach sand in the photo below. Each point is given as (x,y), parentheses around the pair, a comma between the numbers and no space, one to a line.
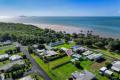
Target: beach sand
(67,29)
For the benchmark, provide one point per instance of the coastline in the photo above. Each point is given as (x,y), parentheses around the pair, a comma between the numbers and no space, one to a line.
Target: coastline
(70,29)
(63,28)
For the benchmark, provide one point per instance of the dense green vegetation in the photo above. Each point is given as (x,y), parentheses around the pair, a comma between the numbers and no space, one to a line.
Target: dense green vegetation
(27,34)
(95,41)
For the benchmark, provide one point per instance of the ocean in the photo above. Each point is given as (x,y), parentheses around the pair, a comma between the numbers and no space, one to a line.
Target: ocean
(104,26)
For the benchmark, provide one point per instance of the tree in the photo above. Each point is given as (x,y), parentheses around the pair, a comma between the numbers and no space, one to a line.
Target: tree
(99,44)
(114,45)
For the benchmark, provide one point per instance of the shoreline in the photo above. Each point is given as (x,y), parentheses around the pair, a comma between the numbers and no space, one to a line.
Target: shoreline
(67,29)
(70,29)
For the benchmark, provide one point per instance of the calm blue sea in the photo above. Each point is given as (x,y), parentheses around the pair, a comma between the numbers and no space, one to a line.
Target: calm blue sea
(105,26)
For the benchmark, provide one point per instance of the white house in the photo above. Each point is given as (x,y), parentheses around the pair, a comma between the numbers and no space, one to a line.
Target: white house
(4,56)
(15,57)
(116,66)
(26,78)
(8,42)
(87,53)
(9,65)
(64,49)
(103,69)
(40,51)
(50,53)
(85,75)
(108,73)
(95,56)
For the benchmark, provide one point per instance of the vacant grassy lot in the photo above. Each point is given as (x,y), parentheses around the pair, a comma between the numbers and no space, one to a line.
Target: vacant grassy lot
(60,73)
(94,67)
(66,45)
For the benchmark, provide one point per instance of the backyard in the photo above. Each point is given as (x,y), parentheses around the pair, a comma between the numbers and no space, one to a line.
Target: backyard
(60,73)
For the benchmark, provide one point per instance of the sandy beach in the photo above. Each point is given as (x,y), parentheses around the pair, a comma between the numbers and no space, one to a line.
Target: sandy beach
(67,29)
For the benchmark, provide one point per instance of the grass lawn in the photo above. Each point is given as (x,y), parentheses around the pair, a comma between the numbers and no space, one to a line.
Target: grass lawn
(66,45)
(60,73)
(111,54)
(59,61)
(94,68)
(4,48)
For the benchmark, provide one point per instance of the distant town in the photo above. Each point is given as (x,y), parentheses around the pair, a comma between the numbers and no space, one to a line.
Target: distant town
(31,53)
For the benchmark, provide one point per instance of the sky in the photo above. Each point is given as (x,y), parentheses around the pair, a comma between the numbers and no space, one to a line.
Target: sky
(60,7)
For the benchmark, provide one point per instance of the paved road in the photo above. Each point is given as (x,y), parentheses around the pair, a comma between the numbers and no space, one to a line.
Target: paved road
(36,67)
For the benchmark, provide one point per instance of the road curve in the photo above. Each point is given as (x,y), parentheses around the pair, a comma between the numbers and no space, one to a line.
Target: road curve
(36,67)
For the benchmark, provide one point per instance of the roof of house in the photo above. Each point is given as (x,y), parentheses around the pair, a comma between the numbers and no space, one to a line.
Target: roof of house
(76,55)
(9,65)
(7,42)
(87,53)
(3,56)
(39,51)
(56,43)
(103,69)
(50,53)
(64,49)
(15,57)
(108,72)
(26,78)
(94,56)
(85,75)
(116,66)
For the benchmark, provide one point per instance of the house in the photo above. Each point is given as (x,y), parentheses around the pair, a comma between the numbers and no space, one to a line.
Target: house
(26,78)
(50,53)
(104,71)
(15,57)
(35,46)
(108,73)
(2,76)
(74,48)
(4,56)
(78,48)
(87,53)
(95,56)
(8,42)
(52,44)
(64,49)
(9,65)
(74,59)
(40,51)
(116,66)
(76,56)
(85,75)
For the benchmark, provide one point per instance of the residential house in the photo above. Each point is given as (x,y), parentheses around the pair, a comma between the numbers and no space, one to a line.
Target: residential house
(52,44)
(40,51)
(64,49)
(35,46)
(49,53)
(78,48)
(95,56)
(15,57)
(104,71)
(87,53)
(4,56)
(85,75)
(9,65)
(8,42)
(116,66)
(26,78)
